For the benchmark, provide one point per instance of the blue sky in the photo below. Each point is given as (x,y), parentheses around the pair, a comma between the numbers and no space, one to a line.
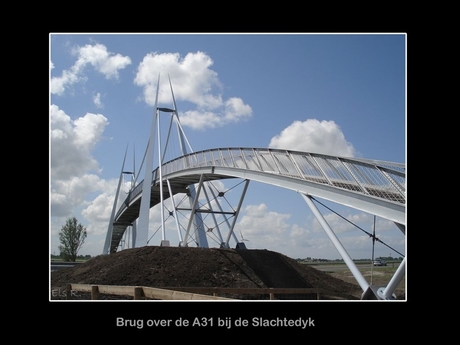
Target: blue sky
(338,94)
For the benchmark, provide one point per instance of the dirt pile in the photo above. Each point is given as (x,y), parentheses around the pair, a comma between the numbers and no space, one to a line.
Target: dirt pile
(169,267)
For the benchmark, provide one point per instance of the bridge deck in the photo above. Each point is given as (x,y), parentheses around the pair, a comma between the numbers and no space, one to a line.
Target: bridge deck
(369,185)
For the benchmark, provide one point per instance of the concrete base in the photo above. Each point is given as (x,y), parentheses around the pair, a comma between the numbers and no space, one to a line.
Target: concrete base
(164,243)
(240,245)
(375,293)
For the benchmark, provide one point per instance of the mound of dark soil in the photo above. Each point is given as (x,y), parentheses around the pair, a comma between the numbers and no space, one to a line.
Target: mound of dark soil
(170,267)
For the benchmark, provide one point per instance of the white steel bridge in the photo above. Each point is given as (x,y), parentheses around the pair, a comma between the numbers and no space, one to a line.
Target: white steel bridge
(372,186)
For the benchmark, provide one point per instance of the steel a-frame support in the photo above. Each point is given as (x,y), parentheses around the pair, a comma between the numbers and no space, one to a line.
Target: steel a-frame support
(195,210)
(179,234)
(369,292)
(193,207)
(230,233)
(387,292)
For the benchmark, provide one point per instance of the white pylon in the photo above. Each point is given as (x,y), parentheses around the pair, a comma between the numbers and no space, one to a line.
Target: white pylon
(144,212)
(108,237)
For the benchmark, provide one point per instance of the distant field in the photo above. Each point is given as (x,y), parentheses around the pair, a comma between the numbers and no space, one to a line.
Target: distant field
(380,275)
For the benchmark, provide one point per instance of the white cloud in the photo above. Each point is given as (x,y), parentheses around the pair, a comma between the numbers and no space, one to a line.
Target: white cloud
(60,207)
(314,136)
(96,56)
(191,77)
(97,100)
(193,81)
(200,119)
(262,226)
(71,164)
(340,225)
(58,84)
(100,208)
(72,142)
(72,183)
(103,61)
(71,193)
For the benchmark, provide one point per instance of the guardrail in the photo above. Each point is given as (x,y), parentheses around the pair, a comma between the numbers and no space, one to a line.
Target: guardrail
(190,293)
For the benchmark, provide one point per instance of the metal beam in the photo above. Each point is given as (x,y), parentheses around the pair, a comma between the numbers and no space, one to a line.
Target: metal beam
(335,241)
(174,211)
(386,293)
(195,202)
(237,213)
(108,238)
(198,210)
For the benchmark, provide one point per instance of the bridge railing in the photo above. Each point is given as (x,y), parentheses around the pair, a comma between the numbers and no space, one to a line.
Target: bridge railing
(379,178)
(382,179)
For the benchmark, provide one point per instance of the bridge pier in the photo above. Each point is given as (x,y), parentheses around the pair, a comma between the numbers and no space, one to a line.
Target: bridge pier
(240,245)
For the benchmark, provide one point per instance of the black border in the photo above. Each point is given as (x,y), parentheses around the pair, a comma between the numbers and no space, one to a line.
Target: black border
(101,316)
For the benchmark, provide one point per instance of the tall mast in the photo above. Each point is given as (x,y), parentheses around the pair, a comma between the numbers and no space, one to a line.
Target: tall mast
(108,238)
(144,213)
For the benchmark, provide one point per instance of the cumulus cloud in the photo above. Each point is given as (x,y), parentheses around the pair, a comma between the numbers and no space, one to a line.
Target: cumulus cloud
(68,194)
(72,142)
(193,81)
(339,225)
(98,57)
(72,166)
(314,136)
(103,61)
(59,204)
(262,226)
(73,169)
(100,209)
(234,110)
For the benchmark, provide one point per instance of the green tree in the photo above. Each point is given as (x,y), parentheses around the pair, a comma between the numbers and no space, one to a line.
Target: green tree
(72,236)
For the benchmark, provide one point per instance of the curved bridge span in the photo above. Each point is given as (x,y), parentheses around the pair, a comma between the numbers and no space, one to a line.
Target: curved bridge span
(376,187)
(372,186)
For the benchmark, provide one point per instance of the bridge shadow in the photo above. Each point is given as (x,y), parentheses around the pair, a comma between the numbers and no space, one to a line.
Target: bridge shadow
(275,272)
